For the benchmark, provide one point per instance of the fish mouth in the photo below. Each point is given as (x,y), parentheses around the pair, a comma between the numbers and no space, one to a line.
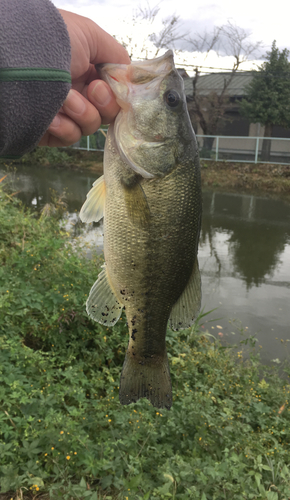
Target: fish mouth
(140,76)
(160,66)
(130,83)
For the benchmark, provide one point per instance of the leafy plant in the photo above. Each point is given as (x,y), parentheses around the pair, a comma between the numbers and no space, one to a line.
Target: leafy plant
(63,432)
(46,156)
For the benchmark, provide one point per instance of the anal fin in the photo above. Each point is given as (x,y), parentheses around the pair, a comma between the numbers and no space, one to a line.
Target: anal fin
(102,304)
(188,305)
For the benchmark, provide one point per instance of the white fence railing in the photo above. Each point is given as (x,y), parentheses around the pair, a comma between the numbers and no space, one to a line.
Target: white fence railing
(219,148)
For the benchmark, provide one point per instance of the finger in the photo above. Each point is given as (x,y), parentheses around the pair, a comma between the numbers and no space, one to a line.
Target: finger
(63,131)
(51,141)
(103,48)
(102,97)
(82,112)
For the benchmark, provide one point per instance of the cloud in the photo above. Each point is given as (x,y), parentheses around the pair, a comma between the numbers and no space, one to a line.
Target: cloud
(195,19)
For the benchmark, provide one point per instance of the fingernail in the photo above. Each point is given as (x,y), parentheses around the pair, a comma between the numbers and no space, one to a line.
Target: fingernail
(74,102)
(55,122)
(101,94)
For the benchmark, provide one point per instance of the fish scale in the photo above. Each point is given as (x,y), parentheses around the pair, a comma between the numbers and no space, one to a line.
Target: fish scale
(151,200)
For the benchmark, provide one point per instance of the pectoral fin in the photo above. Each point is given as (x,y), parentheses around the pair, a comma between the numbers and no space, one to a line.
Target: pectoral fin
(102,304)
(93,208)
(136,203)
(187,306)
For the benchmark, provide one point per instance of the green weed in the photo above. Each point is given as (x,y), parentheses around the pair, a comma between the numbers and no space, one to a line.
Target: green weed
(63,432)
(46,156)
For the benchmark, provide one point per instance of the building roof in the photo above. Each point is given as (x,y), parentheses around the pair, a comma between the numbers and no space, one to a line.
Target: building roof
(182,72)
(215,82)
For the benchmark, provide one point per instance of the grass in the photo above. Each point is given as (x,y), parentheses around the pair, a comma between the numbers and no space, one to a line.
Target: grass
(63,432)
(68,158)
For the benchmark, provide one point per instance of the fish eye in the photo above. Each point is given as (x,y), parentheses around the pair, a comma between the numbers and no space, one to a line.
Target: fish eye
(172,98)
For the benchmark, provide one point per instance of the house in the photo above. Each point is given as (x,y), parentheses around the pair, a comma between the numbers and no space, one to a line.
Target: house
(233,124)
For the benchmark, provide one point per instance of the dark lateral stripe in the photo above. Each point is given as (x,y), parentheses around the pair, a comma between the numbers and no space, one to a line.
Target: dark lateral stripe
(34,74)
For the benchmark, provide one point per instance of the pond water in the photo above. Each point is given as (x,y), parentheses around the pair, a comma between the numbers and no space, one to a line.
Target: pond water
(244,256)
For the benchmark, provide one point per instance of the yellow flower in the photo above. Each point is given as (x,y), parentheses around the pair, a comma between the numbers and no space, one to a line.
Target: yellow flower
(61,432)
(68,457)
(52,448)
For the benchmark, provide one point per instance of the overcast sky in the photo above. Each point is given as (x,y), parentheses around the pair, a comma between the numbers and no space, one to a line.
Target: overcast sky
(265,22)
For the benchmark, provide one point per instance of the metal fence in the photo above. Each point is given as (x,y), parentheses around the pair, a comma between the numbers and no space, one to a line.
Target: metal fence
(219,148)
(244,149)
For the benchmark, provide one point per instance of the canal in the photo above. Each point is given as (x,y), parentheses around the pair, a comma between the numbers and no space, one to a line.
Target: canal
(244,256)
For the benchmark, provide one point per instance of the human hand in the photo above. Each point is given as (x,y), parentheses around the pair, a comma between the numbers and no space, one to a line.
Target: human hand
(90,102)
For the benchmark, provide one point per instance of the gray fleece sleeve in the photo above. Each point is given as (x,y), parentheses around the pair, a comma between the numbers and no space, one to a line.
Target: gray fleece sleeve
(34,72)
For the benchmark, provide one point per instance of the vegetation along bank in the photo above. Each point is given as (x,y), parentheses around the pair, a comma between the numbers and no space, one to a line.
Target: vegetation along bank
(248,177)
(63,433)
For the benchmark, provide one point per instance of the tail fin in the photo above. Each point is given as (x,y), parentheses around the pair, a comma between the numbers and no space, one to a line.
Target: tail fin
(146,379)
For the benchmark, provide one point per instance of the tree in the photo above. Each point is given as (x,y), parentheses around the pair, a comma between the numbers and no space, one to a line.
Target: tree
(209,110)
(147,34)
(268,95)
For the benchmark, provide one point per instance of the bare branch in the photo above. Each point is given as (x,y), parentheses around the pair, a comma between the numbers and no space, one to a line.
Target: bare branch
(206,42)
(147,13)
(210,109)
(235,42)
(169,34)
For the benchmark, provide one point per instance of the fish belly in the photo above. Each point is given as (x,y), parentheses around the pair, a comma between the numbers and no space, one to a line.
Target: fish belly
(150,257)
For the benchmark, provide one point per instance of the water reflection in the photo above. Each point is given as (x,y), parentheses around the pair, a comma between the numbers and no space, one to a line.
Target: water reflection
(245,265)
(244,254)
(255,233)
(36,185)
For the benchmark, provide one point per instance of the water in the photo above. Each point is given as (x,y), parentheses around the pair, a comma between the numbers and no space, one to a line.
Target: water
(244,256)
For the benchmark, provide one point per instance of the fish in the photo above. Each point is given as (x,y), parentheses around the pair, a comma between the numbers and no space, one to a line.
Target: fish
(150,199)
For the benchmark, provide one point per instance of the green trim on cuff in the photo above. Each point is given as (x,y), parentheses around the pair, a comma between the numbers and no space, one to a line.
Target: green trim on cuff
(34,74)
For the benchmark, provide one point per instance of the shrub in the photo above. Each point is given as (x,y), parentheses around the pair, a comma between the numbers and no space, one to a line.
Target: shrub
(63,431)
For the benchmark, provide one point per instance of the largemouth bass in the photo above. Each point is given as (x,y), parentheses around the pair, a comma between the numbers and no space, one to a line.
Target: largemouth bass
(150,198)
